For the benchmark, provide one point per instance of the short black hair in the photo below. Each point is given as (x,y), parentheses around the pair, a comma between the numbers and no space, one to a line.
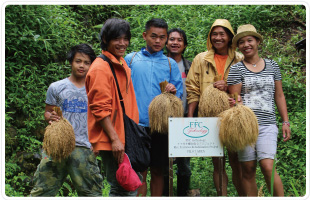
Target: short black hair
(81,48)
(156,22)
(112,29)
(181,32)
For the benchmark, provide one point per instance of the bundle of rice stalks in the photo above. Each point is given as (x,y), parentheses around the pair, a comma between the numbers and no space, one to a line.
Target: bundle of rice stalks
(59,138)
(238,128)
(213,101)
(162,107)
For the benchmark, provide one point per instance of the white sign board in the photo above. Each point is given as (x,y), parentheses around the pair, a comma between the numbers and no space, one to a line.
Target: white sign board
(194,137)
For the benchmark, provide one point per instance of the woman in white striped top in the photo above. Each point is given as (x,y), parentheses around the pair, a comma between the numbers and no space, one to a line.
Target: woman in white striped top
(258,82)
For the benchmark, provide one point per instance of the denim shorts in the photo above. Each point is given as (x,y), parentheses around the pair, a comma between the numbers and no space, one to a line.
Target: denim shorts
(265,147)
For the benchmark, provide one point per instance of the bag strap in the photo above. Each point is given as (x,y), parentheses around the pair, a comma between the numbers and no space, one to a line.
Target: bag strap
(113,72)
(169,65)
(133,57)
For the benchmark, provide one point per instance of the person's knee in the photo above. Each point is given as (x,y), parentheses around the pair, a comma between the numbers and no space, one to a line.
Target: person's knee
(248,171)
(266,166)
(267,170)
(36,191)
(91,186)
(248,175)
(45,191)
(47,180)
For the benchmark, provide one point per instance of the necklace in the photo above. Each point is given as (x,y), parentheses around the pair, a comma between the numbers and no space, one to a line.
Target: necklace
(254,65)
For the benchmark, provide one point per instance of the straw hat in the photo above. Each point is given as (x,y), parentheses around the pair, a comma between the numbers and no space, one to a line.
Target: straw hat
(246,30)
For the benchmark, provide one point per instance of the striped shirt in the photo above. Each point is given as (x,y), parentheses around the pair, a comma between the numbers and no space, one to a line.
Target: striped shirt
(258,89)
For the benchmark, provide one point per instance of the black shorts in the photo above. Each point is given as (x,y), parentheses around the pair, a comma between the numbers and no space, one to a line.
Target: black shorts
(159,150)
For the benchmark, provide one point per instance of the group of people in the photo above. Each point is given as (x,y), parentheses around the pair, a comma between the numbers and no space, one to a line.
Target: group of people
(89,100)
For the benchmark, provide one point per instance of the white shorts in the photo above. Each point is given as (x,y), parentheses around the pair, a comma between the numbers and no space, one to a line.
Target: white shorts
(265,147)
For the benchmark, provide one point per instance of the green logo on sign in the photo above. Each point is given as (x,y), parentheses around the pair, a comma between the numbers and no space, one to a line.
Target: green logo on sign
(196,130)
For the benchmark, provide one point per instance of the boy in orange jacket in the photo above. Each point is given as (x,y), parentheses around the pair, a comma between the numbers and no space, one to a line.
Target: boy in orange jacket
(105,114)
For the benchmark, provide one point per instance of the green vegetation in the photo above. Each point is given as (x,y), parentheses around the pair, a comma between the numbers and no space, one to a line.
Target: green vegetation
(37,38)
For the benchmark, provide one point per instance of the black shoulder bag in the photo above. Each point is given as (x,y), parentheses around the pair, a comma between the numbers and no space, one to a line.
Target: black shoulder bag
(137,141)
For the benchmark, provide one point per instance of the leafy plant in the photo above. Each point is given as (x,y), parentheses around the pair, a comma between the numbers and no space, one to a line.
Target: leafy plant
(37,38)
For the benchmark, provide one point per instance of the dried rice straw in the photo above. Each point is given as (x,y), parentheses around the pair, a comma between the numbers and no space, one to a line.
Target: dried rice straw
(213,101)
(162,107)
(238,127)
(59,138)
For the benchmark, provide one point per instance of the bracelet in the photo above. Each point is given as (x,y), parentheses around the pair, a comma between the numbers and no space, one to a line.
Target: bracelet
(286,123)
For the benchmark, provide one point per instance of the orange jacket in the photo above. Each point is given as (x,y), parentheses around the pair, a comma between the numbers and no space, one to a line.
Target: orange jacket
(103,100)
